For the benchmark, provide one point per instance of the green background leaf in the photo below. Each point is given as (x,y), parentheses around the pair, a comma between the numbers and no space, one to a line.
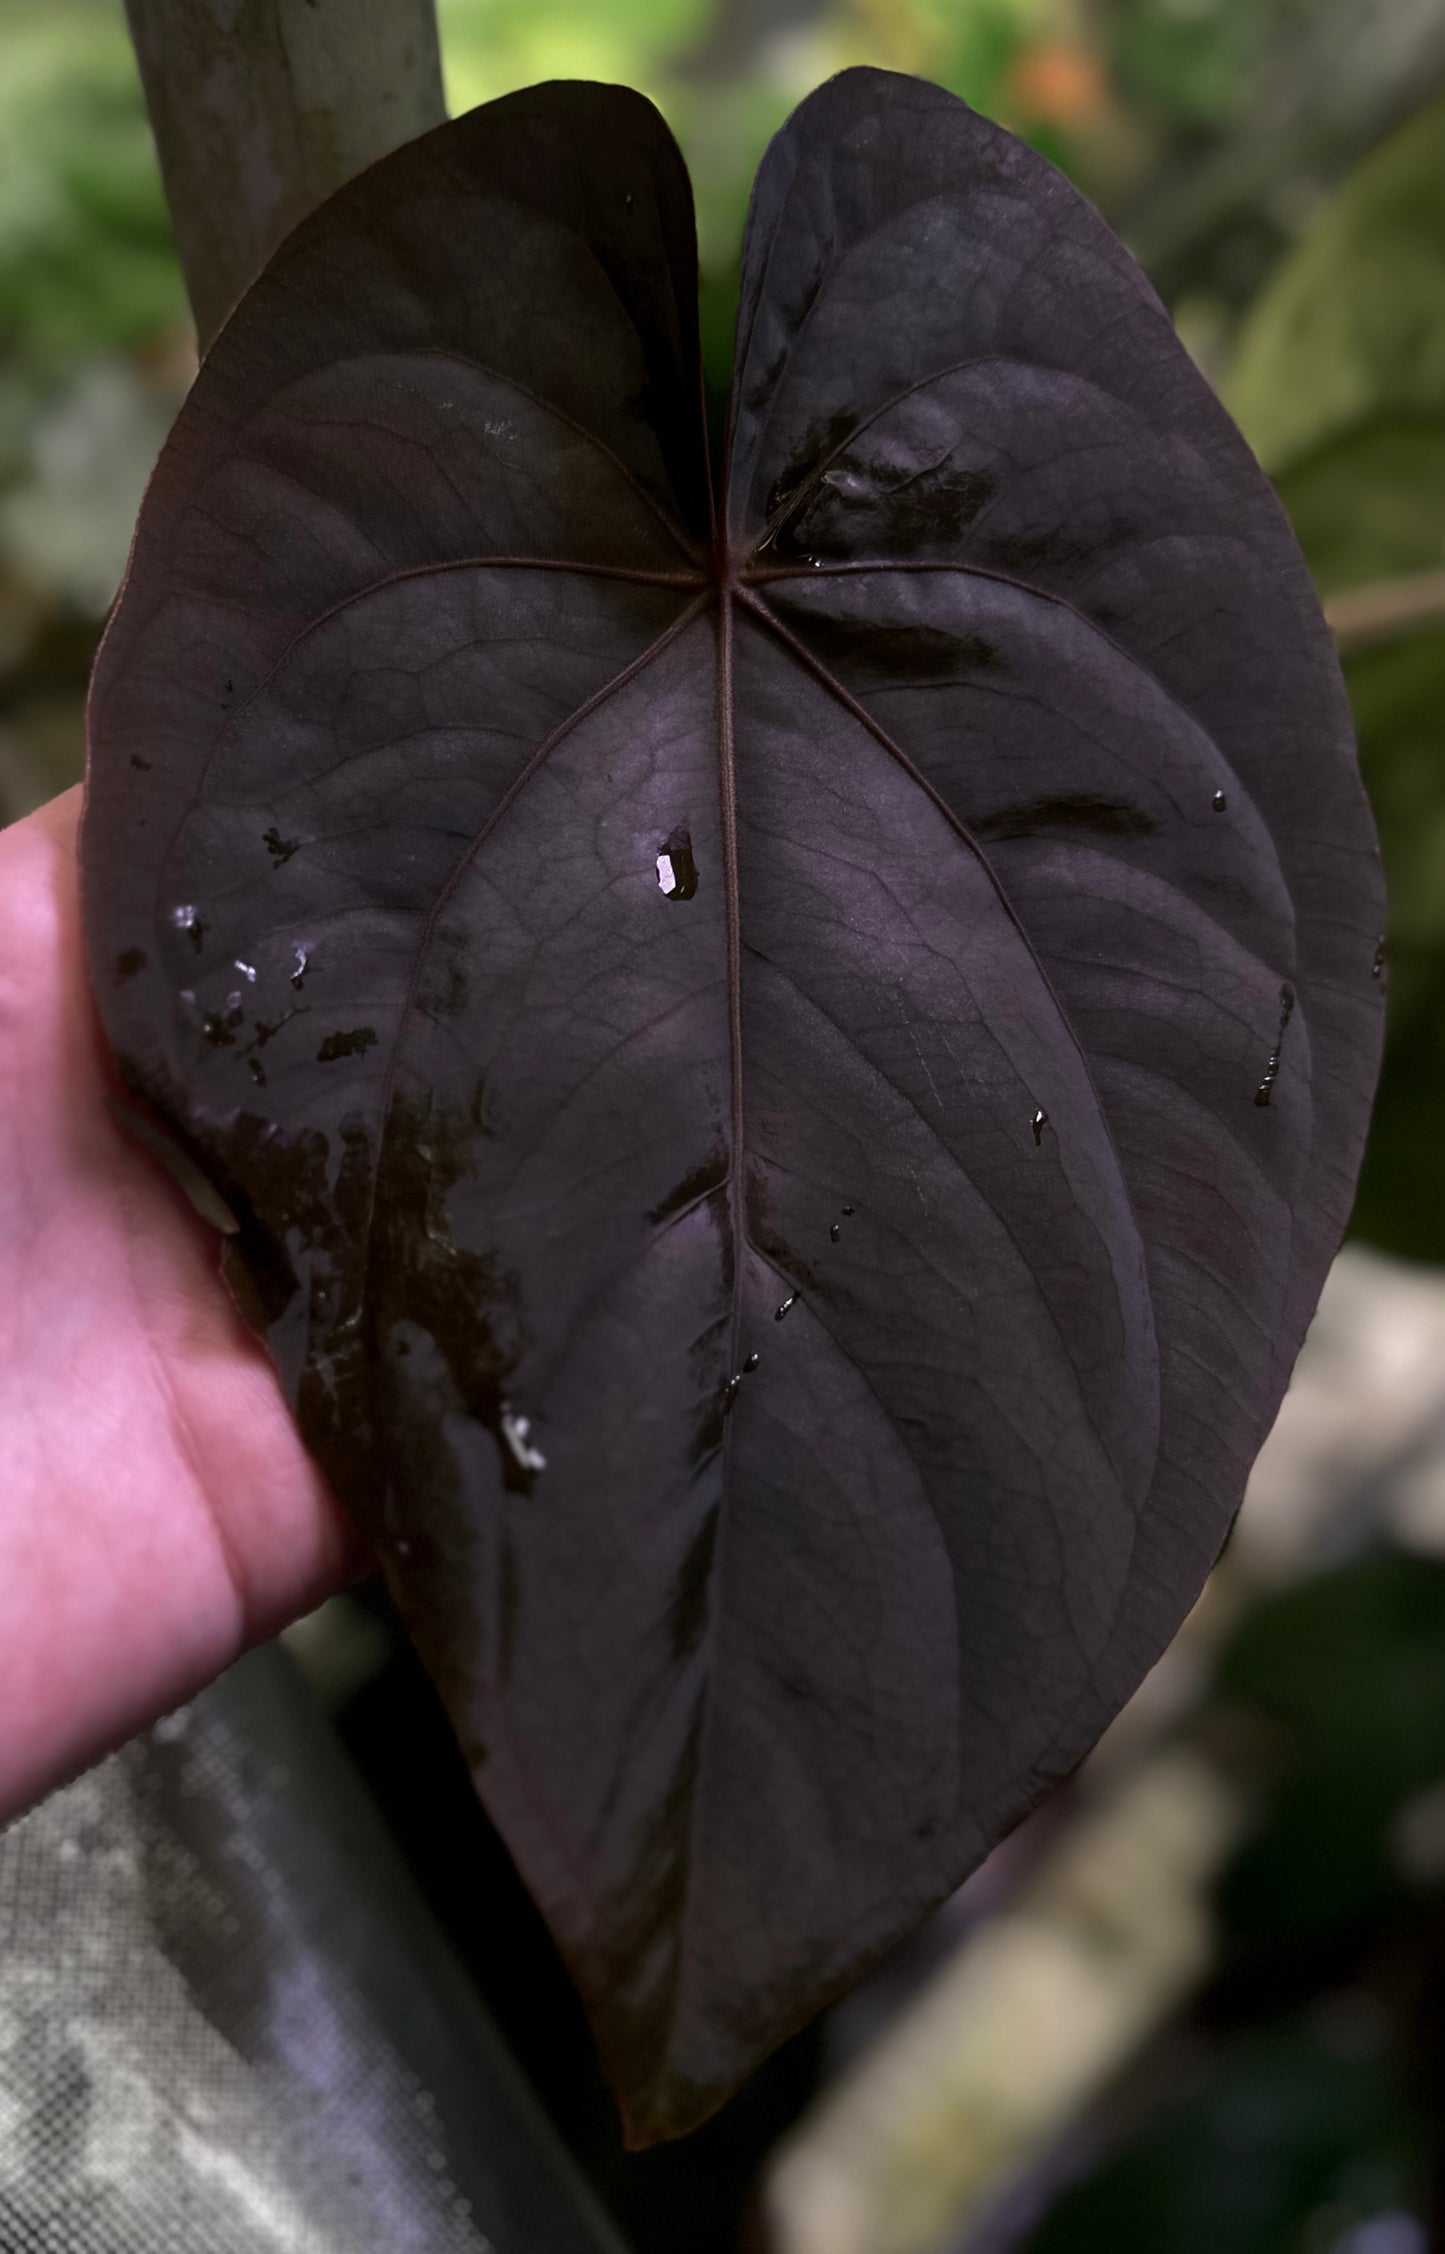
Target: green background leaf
(1338,381)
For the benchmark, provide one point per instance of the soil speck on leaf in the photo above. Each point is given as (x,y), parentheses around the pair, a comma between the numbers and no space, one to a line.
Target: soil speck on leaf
(346,1044)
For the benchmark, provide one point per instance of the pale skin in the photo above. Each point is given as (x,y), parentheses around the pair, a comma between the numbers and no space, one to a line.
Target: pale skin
(158,1513)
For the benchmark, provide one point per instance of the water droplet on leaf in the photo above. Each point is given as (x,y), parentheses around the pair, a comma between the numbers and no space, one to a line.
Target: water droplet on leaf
(676,868)
(246,970)
(303,957)
(835,1233)
(183,917)
(730,1392)
(514,1431)
(1219,802)
(1039,1122)
(750,1364)
(1271,1070)
(1377,969)
(790,1301)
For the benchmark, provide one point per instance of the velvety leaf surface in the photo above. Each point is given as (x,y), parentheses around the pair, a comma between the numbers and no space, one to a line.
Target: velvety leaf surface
(788,1094)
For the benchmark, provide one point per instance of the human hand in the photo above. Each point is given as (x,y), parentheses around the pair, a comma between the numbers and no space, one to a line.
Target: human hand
(158,1512)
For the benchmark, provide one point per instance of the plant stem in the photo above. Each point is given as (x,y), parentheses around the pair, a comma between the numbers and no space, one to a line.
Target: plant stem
(260,108)
(1386,611)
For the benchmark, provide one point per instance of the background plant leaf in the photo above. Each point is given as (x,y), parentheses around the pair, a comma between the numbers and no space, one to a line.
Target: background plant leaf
(788,1097)
(1339,381)
(1352,325)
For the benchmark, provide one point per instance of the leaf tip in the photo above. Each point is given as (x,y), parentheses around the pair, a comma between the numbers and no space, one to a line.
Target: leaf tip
(667,2106)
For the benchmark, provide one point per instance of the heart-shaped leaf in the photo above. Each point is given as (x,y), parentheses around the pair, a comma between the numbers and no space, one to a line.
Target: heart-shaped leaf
(788,1090)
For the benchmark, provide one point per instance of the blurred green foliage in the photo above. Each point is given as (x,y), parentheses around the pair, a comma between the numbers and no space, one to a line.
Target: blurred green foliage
(1283,2142)
(1338,380)
(86,263)
(1298,2114)
(1191,66)
(1347,1672)
(1352,326)
(93,323)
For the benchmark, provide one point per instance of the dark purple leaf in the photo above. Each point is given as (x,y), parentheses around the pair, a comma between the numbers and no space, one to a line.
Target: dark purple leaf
(788,1095)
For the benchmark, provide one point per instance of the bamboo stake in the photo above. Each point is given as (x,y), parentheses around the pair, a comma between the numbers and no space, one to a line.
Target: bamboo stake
(260,108)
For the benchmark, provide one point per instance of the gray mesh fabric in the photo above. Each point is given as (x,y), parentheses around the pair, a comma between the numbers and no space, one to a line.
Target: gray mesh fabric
(228,2027)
